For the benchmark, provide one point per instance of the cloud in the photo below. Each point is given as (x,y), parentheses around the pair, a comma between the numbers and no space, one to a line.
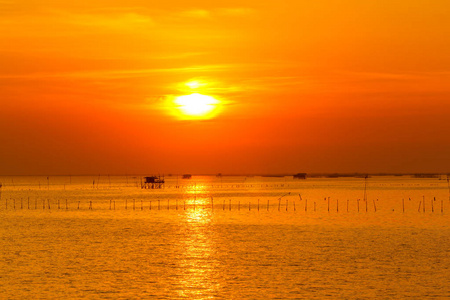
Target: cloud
(215,13)
(179,55)
(196,13)
(111,21)
(115,74)
(56,22)
(384,75)
(235,11)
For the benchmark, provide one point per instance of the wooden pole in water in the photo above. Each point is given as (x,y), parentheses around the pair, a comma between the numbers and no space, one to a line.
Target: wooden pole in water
(358,204)
(337,205)
(90,205)
(110,202)
(229,204)
(168,204)
(287,204)
(58,204)
(267,205)
(328,203)
(306,204)
(423,203)
(159,204)
(403,204)
(150,205)
(432,204)
(365,188)
(374,206)
(258,204)
(419,205)
(134,204)
(223,205)
(448,184)
(442,205)
(48,202)
(43,203)
(249,206)
(314,205)
(66,205)
(294,204)
(142,204)
(366,204)
(28,202)
(347,205)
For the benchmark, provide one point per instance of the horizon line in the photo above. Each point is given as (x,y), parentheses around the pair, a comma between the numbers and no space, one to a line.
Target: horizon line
(314,174)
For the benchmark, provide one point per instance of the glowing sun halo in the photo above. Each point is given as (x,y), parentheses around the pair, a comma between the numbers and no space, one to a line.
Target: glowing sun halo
(196,105)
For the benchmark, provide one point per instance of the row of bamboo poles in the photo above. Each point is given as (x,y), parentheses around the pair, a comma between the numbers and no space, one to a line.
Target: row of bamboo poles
(365,206)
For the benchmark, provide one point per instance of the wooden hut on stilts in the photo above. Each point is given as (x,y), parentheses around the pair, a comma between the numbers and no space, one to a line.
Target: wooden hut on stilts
(153,182)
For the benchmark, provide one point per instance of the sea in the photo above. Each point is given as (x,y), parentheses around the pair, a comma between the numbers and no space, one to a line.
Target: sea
(224,237)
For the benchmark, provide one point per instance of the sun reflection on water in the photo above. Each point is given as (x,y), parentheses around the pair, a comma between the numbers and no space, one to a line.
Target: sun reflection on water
(198,257)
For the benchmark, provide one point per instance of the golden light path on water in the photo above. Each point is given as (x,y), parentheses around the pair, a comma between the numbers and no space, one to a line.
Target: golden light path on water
(198,256)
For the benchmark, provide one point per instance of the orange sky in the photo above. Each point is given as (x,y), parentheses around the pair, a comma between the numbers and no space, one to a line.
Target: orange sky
(305,86)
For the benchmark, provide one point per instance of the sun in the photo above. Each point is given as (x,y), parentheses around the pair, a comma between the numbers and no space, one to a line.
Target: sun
(195,100)
(196,106)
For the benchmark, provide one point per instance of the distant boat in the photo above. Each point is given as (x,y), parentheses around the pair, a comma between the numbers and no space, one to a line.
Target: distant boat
(300,176)
(187,176)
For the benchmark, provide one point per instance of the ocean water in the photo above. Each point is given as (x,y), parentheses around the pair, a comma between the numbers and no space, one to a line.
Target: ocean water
(227,237)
